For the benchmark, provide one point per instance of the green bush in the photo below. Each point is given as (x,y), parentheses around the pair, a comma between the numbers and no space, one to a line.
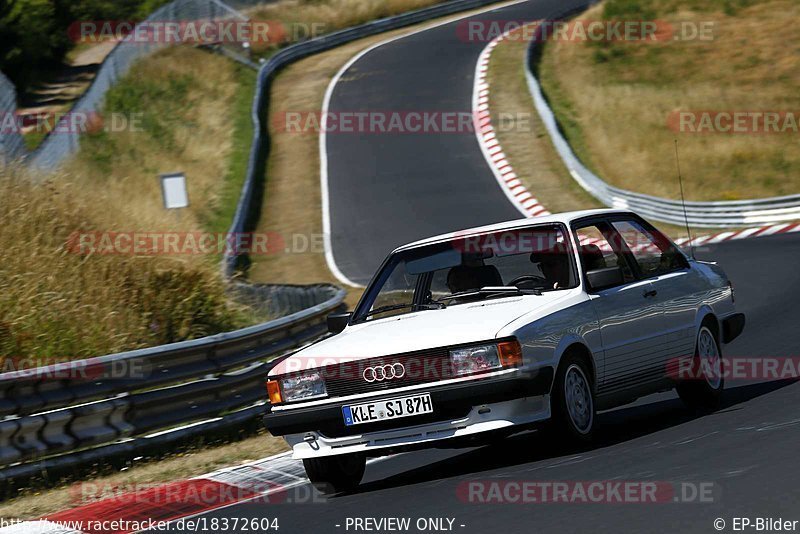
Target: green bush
(35,33)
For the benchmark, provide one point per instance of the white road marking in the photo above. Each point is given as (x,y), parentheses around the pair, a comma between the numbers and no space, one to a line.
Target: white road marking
(323,151)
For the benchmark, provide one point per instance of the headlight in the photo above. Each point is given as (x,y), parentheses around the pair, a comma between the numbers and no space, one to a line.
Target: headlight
(475,359)
(482,358)
(305,386)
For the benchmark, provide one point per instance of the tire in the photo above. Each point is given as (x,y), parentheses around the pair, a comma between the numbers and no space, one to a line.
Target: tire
(335,474)
(703,389)
(572,401)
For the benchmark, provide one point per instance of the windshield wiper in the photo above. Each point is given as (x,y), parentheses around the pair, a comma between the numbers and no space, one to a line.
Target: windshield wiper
(393,307)
(490,291)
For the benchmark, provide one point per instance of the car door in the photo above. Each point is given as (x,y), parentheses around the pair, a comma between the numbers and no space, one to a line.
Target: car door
(677,288)
(629,317)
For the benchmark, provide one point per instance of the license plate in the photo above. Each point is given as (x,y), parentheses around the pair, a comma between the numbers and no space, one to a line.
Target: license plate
(384,410)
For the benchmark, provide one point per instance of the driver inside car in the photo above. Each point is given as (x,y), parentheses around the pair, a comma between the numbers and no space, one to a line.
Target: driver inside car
(472,275)
(554,264)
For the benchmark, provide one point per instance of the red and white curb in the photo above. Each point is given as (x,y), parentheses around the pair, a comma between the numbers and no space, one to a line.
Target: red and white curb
(701,241)
(274,480)
(267,480)
(747,233)
(512,186)
(524,200)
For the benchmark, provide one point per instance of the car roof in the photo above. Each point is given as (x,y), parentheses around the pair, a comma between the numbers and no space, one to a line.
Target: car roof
(565,218)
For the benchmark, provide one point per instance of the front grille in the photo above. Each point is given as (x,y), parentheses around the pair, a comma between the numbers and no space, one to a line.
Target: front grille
(422,367)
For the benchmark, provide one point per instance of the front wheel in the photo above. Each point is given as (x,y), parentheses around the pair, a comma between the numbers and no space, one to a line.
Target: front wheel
(573,400)
(703,388)
(335,474)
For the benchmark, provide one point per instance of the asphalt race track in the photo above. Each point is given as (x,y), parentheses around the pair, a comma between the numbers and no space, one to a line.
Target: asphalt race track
(389,189)
(407,187)
(747,451)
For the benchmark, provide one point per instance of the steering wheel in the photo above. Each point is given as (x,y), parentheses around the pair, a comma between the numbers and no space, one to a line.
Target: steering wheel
(532,278)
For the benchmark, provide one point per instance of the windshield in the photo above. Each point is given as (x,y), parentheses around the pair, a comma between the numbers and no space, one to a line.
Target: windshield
(470,268)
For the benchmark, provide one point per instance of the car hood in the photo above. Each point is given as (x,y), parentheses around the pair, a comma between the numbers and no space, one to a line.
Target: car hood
(464,323)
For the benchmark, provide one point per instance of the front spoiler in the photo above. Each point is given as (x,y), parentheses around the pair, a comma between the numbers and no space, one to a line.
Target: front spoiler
(451,401)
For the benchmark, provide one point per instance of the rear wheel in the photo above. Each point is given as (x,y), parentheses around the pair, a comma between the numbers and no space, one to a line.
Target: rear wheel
(573,400)
(703,388)
(335,474)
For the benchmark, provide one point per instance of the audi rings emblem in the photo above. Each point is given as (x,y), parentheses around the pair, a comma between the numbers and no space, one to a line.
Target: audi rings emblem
(379,373)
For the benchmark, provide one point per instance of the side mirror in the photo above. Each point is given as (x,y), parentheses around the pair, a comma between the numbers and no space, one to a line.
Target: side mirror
(604,278)
(338,322)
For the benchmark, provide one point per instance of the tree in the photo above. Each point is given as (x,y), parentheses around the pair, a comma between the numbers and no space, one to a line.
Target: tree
(8,33)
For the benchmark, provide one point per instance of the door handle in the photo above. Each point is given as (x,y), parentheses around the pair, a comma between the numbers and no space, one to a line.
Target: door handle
(650,293)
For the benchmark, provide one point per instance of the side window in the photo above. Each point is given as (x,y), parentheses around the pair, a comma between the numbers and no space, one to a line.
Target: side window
(654,254)
(597,253)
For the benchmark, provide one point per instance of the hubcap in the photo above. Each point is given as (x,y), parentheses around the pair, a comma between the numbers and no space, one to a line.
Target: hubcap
(710,361)
(578,396)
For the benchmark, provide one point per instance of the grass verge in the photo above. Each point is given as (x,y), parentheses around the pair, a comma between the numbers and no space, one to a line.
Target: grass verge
(298,19)
(184,109)
(617,101)
(36,503)
(181,110)
(292,203)
(220,217)
(526,142)
(109,162)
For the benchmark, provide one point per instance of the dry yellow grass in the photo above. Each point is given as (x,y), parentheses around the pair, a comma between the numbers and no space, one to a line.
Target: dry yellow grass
(33,504)
(56,305)
(613,101)
(181,98)
(292,198)
(526,143)
(301,18)
(334,14)
(291,205)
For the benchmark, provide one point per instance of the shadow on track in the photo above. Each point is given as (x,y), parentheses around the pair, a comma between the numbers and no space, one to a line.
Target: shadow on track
(615,427)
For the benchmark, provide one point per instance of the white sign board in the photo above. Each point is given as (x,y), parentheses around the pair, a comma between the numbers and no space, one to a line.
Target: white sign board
(173,188)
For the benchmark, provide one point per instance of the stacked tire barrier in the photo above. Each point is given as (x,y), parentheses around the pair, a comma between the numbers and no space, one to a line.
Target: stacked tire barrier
(11,143)
(67,414)
(712,214)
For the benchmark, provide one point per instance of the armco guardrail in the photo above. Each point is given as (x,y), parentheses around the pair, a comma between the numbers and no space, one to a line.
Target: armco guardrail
(57,148)
(719,214)
(67,414)
(246,213)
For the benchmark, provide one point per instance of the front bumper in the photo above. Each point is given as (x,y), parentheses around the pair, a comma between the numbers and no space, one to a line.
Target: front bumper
(451,402)
(484,420)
